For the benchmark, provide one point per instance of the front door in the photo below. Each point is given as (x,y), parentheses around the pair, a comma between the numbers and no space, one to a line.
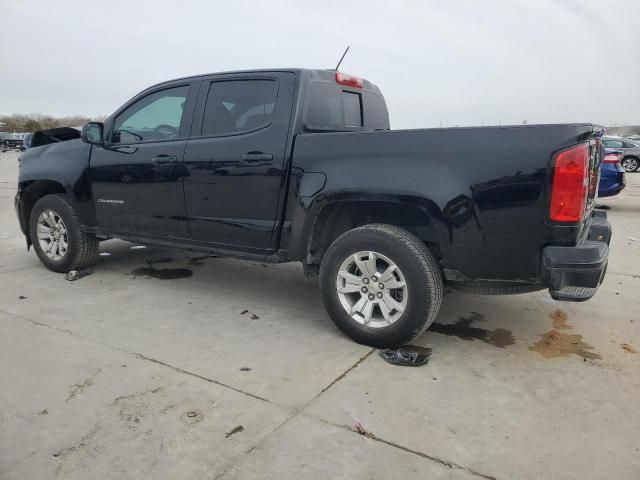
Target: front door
(236,161)
(137,176)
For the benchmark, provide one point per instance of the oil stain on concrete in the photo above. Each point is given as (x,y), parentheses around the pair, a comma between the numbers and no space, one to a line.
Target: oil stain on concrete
(628,348)
(464,329)
(555,343)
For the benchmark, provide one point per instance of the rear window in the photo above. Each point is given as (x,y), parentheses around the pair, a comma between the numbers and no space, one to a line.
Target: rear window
(352,109)
(332,107)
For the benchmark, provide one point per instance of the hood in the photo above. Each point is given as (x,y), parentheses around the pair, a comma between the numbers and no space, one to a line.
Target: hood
(53,135)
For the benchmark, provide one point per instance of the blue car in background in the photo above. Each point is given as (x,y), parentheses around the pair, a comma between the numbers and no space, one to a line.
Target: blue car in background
(611,173)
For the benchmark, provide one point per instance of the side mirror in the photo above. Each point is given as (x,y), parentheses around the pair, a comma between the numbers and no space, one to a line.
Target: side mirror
(92,132)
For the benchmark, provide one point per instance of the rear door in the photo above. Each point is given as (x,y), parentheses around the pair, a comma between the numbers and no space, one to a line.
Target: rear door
(236,162)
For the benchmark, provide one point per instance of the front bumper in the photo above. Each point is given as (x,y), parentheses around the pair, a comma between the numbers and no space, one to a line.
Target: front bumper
(17,203)
(575,273)
(611,192)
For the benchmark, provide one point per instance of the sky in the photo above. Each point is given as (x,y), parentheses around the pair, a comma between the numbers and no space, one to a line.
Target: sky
(438,63)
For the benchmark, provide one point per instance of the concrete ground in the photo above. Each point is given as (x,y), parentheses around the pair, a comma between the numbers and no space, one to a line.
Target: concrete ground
(236,372)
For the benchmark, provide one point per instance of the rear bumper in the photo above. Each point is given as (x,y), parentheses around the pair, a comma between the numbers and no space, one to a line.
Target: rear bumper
(575,273)
(611,191)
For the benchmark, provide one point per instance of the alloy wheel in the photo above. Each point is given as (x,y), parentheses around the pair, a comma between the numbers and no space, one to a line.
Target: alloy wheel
(372,289)
(630,164)
(52,235)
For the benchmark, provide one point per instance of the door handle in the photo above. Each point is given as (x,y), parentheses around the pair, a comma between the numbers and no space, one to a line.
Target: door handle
(256,157)
(164,159)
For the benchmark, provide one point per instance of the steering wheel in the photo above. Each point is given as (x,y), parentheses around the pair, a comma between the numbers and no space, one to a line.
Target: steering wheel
(167,131)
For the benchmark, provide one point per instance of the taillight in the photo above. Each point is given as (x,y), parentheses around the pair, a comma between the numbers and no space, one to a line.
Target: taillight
(612,157)
(349,80)
(570,184)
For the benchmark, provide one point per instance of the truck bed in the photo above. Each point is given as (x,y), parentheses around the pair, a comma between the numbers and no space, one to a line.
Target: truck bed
(487,187)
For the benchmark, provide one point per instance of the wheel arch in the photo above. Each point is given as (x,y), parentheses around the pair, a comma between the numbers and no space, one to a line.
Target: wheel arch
(335,216)
(29,193)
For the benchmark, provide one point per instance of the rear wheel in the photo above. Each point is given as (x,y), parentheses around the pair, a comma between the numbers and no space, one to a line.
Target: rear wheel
(630,164)
(380,285)
(57,237)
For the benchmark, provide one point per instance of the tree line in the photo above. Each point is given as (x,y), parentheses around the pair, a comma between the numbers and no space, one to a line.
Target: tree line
(31,122)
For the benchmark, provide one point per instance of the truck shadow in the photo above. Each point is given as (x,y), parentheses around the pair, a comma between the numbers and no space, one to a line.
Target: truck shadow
(283,291)
(205,278)
(463,328)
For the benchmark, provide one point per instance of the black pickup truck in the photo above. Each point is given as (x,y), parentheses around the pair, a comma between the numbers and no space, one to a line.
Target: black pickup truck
(301,165)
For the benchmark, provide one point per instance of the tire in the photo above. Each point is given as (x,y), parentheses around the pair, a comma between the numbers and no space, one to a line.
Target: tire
(417,271)
(82,247)
(496,288)
(630,164)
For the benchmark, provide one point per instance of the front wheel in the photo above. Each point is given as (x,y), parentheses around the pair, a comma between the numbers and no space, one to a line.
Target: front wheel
(57,237)
(630,164)
(380,285)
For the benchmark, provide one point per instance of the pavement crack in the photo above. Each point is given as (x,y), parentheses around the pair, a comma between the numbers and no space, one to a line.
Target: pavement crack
(375,438)
(300,411)
(236,460)
(439,460)
(140,356)
(78,388)
(297,412)
(83,446)
(64,452)
(345,373)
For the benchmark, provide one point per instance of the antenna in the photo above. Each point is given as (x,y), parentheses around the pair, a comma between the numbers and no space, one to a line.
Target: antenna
(341,58)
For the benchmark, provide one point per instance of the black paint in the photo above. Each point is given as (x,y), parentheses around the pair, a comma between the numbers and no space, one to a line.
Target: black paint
(479,194)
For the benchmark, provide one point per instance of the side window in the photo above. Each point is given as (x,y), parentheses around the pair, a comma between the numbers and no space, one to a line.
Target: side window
(628,145)
(154,117)
(237,106)
(612,144)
